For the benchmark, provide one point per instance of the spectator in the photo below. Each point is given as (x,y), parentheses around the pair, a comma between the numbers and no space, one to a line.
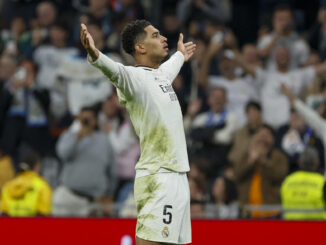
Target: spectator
(49,56)
(225,205)
(294,137)
(132,8)
(119,129)
(269,84)
(211,132)
(46,14)
(243,136)
(317,35)
(171,29)
(8,66)
(218,10)
(77,84)
(26,120)
(283,34)
(27,194)
(13,39)
(313,119)
(238,90)
(260,172)
(98,12)
(304,190)
(88,174)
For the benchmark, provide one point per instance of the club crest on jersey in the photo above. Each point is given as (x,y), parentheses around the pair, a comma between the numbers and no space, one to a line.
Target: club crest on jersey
(165,232)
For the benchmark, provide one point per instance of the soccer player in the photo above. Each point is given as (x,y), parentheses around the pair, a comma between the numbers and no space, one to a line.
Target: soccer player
(161,188)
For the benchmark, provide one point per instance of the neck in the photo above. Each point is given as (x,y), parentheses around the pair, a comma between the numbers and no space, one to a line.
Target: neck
(145,61)
(283,69)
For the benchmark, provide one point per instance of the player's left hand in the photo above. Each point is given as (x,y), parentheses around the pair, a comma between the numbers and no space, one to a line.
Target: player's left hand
(187,49)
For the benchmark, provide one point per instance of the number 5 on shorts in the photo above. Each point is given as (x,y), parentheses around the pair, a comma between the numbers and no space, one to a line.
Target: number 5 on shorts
(169,214)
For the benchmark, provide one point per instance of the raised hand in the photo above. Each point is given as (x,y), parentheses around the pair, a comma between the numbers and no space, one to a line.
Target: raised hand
(187,49)
(88,42)
(287,92)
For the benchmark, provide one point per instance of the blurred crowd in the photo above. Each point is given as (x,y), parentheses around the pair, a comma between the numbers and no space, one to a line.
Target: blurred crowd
(67,147)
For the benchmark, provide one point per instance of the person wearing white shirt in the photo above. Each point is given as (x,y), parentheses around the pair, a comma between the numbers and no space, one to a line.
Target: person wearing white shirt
(239,91)
(313,119)
(161,186)
(211,132)
(276,108)
(283,34)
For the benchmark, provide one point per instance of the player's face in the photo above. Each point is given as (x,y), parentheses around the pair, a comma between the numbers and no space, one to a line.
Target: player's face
(155,44)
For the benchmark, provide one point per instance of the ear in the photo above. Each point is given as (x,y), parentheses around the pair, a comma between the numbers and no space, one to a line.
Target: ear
(140,48)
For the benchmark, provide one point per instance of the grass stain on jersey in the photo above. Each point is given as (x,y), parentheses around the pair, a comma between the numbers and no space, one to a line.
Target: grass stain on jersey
(145,189)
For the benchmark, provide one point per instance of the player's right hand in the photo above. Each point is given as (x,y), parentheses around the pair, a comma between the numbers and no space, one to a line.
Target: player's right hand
(88,42)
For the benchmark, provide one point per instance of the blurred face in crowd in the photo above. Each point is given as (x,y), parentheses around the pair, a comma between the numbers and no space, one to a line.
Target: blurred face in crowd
(282,21)
(58,36)
(18,26)
(8,67)
(88,119)
(250,54)
(96,5)
(297,122)
(322,15)
(171,23)
(254,117)
(217,100)
(265,137)
(282,58)
(227,67)
(96,33)
(46,14)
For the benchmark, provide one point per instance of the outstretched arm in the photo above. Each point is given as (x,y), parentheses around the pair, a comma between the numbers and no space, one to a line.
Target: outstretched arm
(312,118)
(174,64)
(116,72)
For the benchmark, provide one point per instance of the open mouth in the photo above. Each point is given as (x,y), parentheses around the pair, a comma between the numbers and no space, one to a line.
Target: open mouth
(166,47)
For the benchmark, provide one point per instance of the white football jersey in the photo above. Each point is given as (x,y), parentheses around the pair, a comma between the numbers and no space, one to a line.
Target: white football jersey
(154,110)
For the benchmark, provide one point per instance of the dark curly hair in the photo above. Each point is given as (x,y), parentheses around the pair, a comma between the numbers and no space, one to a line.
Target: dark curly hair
(132,33)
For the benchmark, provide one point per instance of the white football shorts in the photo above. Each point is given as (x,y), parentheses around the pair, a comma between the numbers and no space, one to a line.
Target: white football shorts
(163,208)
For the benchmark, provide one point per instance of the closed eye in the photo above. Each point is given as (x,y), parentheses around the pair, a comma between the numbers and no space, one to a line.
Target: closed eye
(155,34)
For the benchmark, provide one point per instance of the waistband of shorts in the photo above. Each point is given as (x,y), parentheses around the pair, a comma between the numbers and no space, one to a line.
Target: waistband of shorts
(143,172)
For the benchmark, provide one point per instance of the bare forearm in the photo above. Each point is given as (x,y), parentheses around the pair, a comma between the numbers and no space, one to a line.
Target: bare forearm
(93,54)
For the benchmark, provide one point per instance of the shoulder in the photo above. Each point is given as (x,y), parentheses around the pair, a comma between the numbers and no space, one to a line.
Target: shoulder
(41,183)
(278,154)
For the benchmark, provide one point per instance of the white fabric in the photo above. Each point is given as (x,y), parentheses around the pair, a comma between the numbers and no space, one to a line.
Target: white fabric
(168,193)
(299,50)
(66,203)
(221,136)
(153,109)
(315,121)
(239,93)
(49,58)
(276,107)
